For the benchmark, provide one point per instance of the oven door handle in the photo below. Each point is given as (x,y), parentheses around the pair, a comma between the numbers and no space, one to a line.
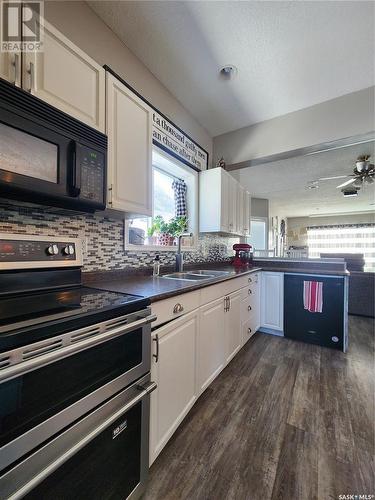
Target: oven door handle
(62,352)
(145,390)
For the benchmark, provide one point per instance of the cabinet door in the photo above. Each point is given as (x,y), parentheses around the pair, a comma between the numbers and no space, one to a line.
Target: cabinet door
(174,372)
(67,78)
(272,300)
(240,209)
(247,213)
(129,129)
(232,209)
(10,67)
(233,340)
(211,343)
(226,200)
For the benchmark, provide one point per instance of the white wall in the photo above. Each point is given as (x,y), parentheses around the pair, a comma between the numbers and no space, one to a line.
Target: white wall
(80,24)
(345,116)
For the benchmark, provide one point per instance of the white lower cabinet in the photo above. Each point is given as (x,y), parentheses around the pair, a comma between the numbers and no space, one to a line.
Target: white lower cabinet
(232,321)
(174,371)
(272,301)
(211,342)
(189,352)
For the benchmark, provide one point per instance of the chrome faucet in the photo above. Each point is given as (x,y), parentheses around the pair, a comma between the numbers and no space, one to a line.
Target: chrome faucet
(179,254)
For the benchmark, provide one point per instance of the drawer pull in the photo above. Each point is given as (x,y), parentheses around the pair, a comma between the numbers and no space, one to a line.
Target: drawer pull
(178,308)
(156,356)
(249,330)
(249,308)
(249,292)
(250,280)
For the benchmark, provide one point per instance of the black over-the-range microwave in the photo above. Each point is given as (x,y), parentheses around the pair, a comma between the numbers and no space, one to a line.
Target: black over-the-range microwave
(47,157)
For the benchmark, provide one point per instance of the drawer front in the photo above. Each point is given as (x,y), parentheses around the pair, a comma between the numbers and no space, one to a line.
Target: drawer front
(250,291)
(248,307)
(248,329)
(213,292)
(174,307)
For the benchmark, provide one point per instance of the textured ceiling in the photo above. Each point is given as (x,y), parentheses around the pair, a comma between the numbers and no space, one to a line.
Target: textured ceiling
(284,183)
(290,55)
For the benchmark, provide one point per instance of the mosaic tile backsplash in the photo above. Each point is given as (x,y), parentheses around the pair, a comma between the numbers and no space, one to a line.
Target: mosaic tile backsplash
(103,236)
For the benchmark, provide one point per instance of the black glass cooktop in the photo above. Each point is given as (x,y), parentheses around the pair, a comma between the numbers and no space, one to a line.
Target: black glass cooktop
(39,315)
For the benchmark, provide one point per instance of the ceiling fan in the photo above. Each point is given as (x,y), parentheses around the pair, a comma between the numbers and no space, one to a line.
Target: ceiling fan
(363,173)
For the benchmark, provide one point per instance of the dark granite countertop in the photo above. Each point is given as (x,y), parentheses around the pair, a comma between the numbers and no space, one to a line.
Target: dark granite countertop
(158,288)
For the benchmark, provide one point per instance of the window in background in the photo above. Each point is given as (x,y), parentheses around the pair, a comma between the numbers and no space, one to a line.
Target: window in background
(258,234)
(344,239)
(166,171)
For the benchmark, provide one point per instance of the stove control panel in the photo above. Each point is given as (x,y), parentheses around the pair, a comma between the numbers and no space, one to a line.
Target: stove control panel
(18,251)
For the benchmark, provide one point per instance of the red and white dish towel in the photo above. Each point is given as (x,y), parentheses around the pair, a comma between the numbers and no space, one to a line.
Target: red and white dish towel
(313,296)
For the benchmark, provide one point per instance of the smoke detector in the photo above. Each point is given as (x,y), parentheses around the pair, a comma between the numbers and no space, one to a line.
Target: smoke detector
(228,72)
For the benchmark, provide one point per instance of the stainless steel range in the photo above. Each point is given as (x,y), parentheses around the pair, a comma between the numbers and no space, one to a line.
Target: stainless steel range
(74,378)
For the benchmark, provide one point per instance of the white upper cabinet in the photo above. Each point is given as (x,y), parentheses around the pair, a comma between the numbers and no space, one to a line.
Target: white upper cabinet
(221,203)
(129,129)
(10,67)
(67,78)
(246,213)
(272,301)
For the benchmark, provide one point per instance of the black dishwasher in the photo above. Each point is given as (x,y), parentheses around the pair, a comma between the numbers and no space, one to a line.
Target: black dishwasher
(327,328)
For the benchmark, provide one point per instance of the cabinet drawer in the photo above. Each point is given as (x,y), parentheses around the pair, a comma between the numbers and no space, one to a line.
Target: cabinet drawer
(250,291)
(174,307)
(248,329)
(247,308)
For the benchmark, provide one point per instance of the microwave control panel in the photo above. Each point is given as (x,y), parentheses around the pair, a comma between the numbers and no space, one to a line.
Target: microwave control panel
(92,167)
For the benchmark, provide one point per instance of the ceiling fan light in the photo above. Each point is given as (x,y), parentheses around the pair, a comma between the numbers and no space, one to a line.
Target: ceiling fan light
(358,182)
(362,165)
(369,180)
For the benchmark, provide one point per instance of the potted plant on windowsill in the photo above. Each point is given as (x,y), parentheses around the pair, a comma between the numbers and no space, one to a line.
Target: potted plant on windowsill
(154,230)
(163,231)
(178,226)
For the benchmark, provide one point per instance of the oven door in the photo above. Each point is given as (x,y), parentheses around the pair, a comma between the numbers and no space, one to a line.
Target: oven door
(104,455)
(54,382)
(35,161)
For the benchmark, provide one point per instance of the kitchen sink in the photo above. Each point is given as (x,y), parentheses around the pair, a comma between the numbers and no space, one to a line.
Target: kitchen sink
(194,275)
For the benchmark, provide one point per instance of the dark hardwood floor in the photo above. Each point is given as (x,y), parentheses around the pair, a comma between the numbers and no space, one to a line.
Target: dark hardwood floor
(284,421)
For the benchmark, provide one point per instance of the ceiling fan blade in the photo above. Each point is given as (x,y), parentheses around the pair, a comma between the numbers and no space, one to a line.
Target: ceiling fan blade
(329,178)
(350,181)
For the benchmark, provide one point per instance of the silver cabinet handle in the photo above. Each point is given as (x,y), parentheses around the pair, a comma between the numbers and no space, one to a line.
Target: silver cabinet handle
(249,308)
(249,330)
(228,303)
(249,292)
(225,304)
(15,64)
(250,280)
(178,308)
(31,72)
(156,356)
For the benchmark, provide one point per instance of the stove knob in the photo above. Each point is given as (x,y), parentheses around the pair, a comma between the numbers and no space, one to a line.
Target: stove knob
(52,250)
(68,250)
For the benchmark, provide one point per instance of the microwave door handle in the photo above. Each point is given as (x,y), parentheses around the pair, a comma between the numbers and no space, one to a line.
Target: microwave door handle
(76,169)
